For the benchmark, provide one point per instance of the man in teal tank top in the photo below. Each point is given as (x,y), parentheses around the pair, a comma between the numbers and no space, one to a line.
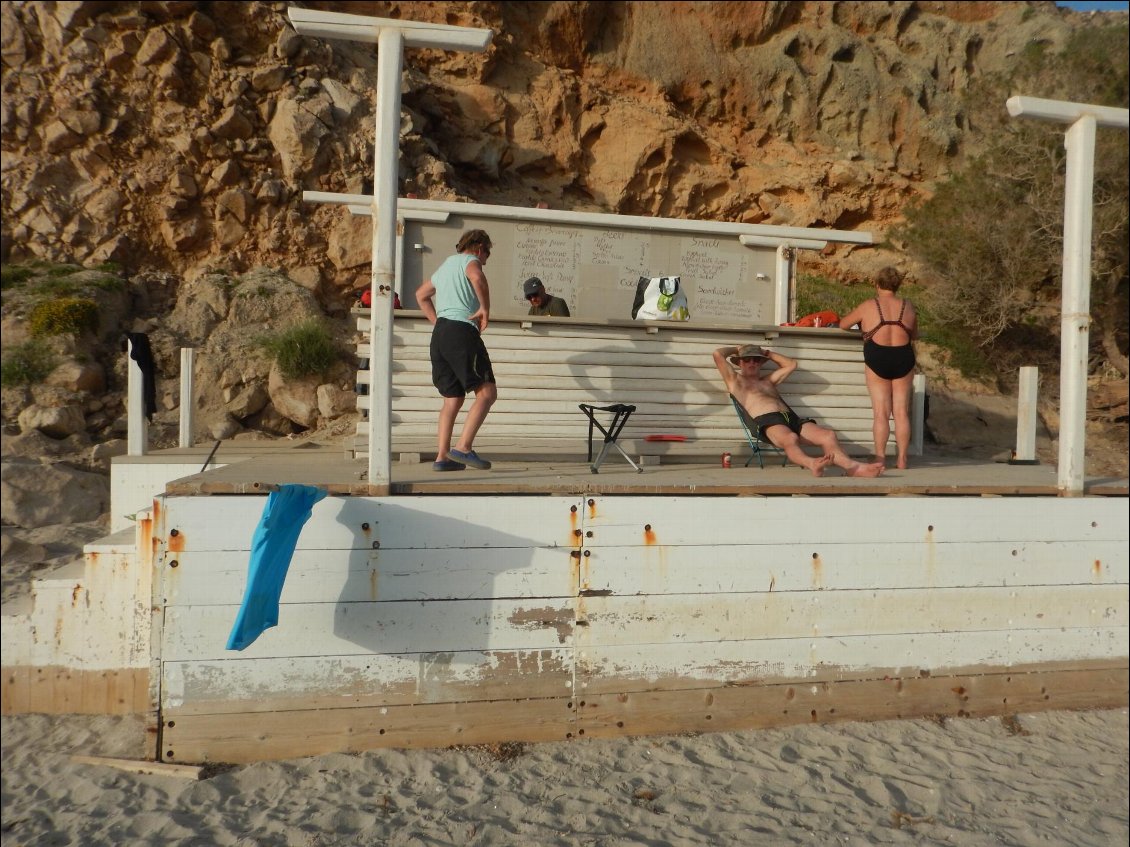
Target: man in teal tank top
(457,302)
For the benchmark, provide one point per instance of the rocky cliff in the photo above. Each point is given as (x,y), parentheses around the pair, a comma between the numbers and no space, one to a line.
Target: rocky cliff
(178,136)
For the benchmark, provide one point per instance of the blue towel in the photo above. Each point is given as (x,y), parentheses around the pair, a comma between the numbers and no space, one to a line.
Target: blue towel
(272,547)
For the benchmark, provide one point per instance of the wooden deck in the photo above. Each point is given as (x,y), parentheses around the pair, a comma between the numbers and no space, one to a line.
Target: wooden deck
(257,468)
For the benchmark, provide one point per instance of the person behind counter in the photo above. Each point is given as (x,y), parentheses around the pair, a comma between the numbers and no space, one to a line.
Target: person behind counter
(457,302)
(888,357)
(773,419)
(541,301)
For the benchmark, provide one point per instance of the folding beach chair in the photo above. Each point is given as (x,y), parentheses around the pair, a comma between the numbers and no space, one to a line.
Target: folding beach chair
(620,414)
(756,444)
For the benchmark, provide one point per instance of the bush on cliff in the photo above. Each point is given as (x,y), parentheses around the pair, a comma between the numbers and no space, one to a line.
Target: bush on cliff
(303,349)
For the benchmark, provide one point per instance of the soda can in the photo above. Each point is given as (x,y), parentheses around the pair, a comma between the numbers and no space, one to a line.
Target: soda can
(725,460)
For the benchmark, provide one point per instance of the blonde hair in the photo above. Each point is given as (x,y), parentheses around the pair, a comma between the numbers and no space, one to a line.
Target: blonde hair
(472,238)
(888,279)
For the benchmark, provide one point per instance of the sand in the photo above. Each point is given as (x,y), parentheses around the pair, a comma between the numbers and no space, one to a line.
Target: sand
(1054,778)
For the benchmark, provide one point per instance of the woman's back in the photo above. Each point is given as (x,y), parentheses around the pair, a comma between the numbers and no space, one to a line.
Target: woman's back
(888,321)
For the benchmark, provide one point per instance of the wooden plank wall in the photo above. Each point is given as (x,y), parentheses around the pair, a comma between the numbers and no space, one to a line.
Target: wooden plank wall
(546,367)
(429,621)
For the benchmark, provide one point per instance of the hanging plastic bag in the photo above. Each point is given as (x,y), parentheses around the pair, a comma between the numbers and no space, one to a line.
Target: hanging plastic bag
(660,298)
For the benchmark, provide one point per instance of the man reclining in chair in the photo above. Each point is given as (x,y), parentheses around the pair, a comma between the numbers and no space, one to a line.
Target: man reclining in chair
(772,419)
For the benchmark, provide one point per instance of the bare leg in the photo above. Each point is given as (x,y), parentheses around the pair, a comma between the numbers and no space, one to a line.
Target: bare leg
(880,391)
(902,389)
(826,440)
(485,395)
(447,414)
(783,437)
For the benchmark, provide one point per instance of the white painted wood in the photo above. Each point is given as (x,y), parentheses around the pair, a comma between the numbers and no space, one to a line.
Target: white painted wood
(319,24)
(664,620)
(785,267)
(606,669)
(918,415)
(718,521)
(379,679)
(453,599)
(390,57)
(218,577)
(91,615)
(765,566)
(1079,141)
(406,523)
(670,378)
(387,574)
(187,396)
(341,629)
(795,243)
(133,485)
(604,220)
(137,425)
(1026,415)
(1062,111)
(1076,304)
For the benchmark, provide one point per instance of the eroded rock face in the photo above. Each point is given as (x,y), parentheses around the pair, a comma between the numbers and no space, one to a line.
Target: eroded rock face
(167,135)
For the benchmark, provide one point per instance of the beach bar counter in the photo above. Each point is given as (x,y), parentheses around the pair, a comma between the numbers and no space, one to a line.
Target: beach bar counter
(540,601)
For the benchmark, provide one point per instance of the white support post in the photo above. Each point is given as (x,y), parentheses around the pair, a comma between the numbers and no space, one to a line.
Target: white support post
(918,414)
(784,304)
(391,37)
(137,425)
(390,54)
(187,395)
(1075,318)
(1026,418)
(1075,321)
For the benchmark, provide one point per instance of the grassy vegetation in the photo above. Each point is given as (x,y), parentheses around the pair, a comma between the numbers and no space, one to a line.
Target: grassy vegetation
(54,280)
(817,293)
(65,316)
(303,349)
(26,364)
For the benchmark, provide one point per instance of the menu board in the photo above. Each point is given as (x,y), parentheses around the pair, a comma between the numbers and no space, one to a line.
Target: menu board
(596,270)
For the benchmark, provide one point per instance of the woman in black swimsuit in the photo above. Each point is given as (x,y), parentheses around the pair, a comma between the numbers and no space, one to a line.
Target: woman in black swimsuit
(889,324)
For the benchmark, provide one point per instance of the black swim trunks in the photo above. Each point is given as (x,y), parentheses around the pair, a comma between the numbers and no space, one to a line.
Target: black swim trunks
(788,417)
(888,362)
(460,362)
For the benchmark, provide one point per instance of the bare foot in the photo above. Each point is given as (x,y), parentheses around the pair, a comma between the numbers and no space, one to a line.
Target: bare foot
(902,465)
(818,465)
(872,469)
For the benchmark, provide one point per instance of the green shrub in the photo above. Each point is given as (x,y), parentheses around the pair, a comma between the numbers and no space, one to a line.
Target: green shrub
(66,316)
(26,364)
(817,293)
(13,275)
(303,349)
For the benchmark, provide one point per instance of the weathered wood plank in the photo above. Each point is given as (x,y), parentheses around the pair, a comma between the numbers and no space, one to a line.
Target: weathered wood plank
(15,695)
(705,569)
(218,577)
(326,682)
(968,695)
(263,736)
(288,734)
(59,690)
(662,621)
(343,629)
(135,766)
(680,665)
(618,521)
(386,574)
(343,523)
